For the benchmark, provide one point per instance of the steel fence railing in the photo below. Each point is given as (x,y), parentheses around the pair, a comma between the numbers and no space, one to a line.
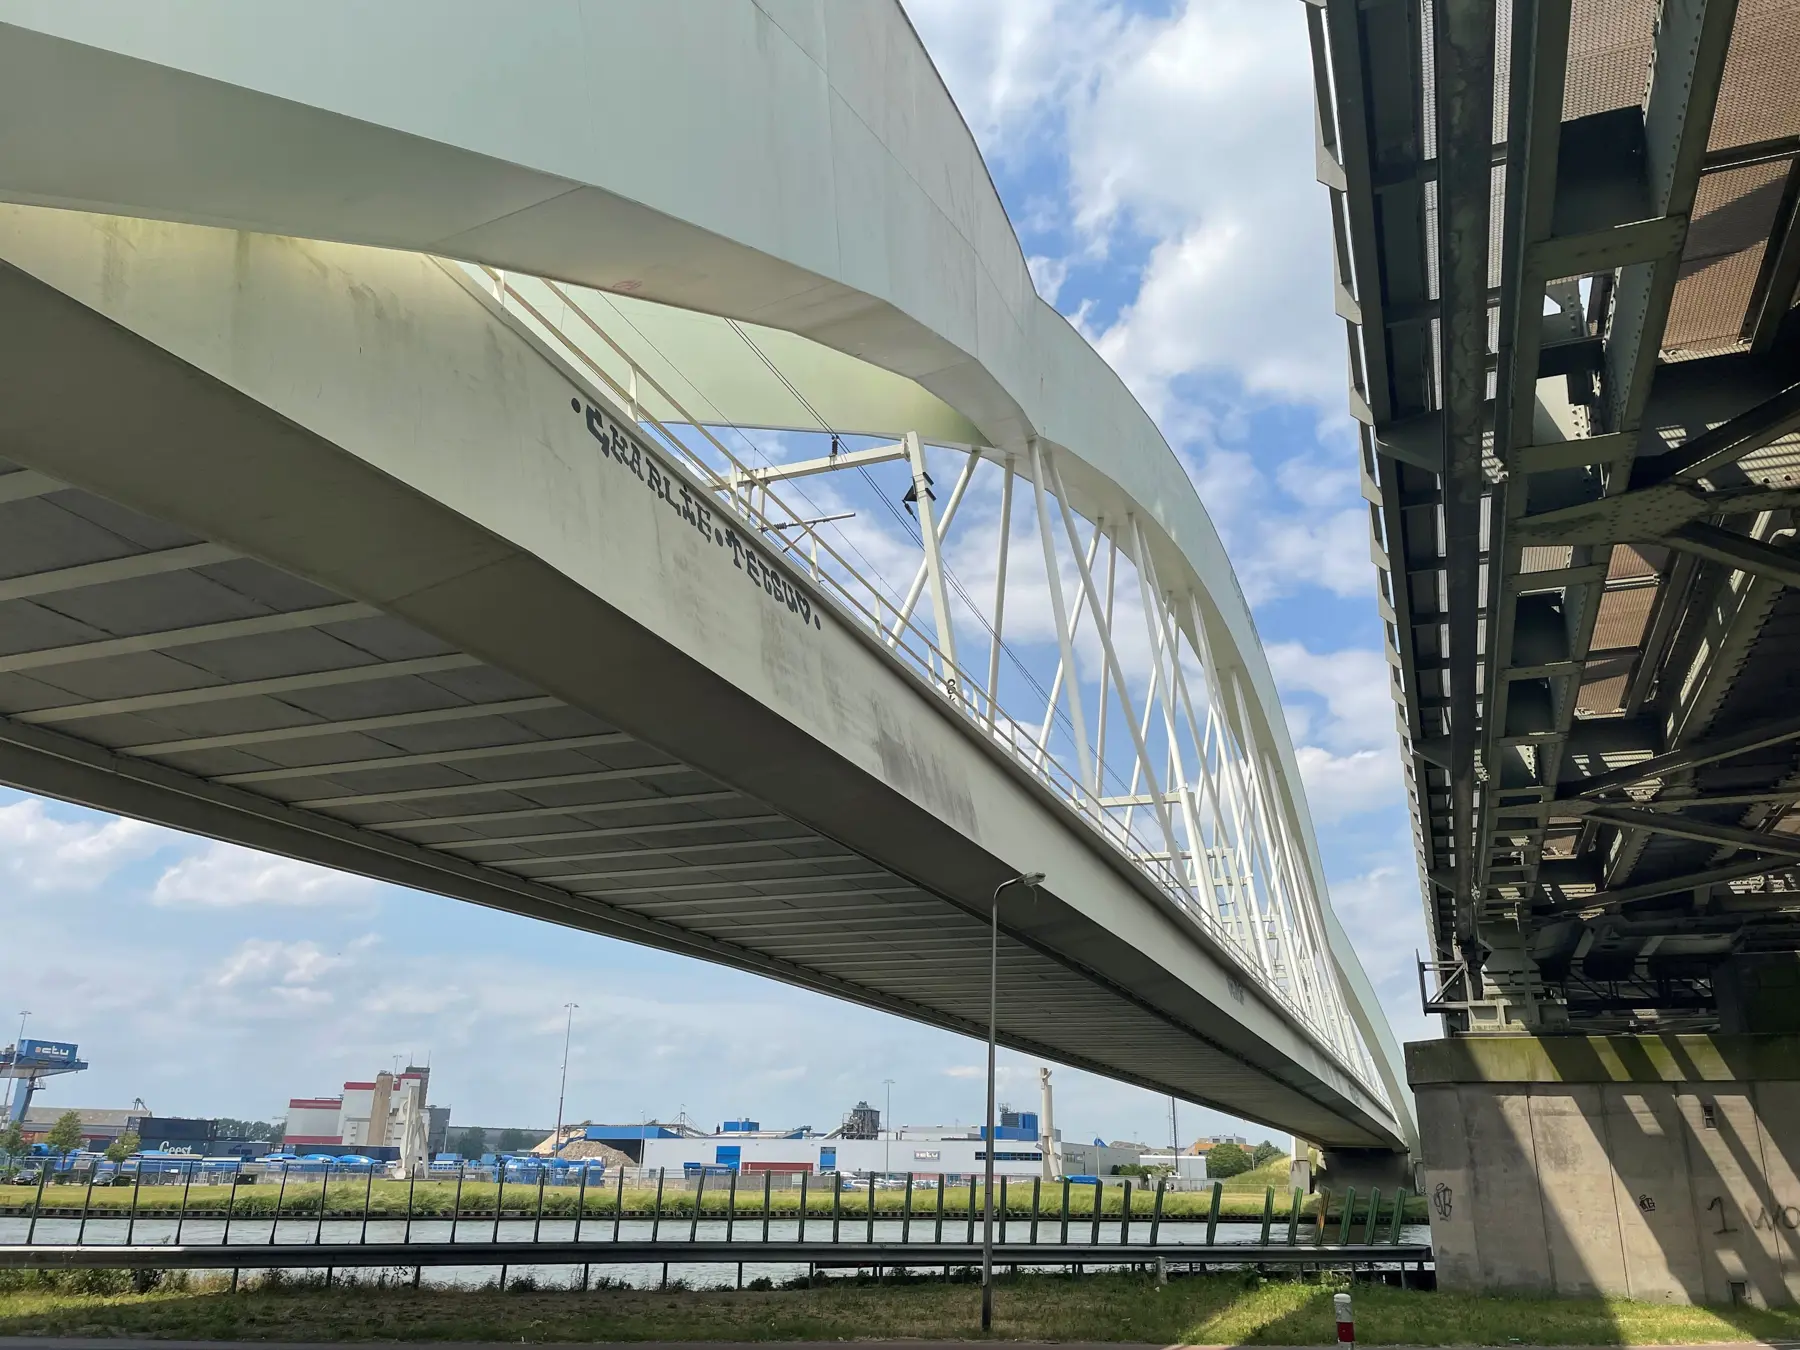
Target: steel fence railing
(577,1216)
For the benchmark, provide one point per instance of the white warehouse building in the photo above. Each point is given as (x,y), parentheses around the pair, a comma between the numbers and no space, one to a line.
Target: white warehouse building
(922,1151)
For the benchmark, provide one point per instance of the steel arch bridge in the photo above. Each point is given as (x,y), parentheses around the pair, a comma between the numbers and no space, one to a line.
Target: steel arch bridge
(376,496)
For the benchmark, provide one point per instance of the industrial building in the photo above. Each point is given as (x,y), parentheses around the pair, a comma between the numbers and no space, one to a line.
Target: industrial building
(385,1118)
(1024,1146)
(100,1126)
(744,1146)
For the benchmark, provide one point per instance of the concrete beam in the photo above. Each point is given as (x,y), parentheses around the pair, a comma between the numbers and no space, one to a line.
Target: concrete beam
(220,693)
(116,569)
(433,757)
(237,740)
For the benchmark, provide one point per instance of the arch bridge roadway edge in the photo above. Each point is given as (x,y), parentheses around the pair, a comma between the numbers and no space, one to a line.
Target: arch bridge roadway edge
(802,168)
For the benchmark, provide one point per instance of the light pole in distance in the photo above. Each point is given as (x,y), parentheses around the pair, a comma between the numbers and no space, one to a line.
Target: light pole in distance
(563,1086)
(887,1144)
(18,1049)
(1031,881)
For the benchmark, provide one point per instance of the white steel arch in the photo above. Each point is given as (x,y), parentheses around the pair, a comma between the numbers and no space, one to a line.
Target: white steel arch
(795,167)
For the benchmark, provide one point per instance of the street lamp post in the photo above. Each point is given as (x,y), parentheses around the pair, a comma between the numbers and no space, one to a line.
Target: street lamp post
(887,1142)
(1031,881)
(18,1043)
(563,1086)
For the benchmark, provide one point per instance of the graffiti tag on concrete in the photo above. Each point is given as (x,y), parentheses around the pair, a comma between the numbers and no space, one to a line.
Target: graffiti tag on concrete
(1442,1199)
(673,492)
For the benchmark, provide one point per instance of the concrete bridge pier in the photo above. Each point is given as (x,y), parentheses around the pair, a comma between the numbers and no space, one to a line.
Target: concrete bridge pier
(1664,1168)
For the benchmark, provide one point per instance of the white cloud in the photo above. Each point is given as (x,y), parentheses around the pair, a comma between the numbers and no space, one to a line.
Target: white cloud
(1341,713)
(279,977)
(1194,132)
(1199,133)
(1048,275)
(1382,908)
(225,876)
(1355,686)
(1006,61)
(45,852)
(1341,786)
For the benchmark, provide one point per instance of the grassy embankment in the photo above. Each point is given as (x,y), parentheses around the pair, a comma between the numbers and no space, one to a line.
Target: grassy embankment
(1243,1199)
(1198,1310)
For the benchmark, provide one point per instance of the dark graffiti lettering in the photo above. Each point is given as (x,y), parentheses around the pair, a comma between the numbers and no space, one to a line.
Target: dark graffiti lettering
(1725,1223)
(668,487)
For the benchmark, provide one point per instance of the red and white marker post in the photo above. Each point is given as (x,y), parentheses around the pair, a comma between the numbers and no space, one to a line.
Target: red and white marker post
(1346,1323)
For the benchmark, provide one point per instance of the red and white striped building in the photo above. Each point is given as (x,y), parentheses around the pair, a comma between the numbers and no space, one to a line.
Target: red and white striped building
(344,1121)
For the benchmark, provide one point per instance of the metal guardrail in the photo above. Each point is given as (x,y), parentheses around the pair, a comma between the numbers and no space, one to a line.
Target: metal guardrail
(820,1255)
(844,1232)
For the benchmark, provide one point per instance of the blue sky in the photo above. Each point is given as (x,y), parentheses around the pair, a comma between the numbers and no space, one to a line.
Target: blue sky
(1157,161)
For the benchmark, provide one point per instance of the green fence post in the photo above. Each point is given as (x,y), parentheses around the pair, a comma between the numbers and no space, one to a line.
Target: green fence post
(274,1224)
(1064,1238)
(869,1236)
(1324,1209)
(230,1206)
(656,1214)
(971,1237)
(1401,1196)
(768,1191)
(1268,1213)
(837,1203)
(462,1168)
(804,1176)
(499,1204)
(1374,1212)
(1125,1214)
(1349,1209)
(368,1195)
(731,1213)
(619,1203)
(37,1201)
(906,1212)
(187,1184)
(580,1206)
(1099,1204)
(319,1223)
(699,1196)
(87,1201)
(1294,1217)
(537,1219)
(137,1185)
(1212,1214)
(1005,1199)
(1037,1193)
(1156,1214)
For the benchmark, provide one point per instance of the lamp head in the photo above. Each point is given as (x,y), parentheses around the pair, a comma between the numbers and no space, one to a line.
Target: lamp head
(1031,879)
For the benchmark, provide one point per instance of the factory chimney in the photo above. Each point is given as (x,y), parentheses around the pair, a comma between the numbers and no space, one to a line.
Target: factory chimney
(1047,1142)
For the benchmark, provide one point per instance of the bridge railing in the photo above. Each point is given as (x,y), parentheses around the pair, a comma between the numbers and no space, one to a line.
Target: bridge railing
(263,1216)
(1308,995)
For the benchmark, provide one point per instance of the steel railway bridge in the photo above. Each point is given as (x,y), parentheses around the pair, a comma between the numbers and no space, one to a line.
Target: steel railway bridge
(1567,262)
(1567,254)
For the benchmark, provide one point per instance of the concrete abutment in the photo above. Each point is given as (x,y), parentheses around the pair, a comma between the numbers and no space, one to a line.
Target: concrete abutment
(1663,1168)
